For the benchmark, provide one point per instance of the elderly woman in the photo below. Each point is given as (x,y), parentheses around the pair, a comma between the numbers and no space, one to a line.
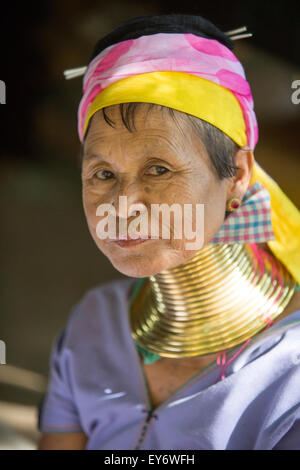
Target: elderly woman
(198,348)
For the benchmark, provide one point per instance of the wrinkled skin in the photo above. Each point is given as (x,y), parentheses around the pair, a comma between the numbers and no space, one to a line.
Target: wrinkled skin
(133,169)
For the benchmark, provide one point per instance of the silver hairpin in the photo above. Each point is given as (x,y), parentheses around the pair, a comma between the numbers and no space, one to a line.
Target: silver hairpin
(235,31)
(241,36)
(233,34)
(72,73)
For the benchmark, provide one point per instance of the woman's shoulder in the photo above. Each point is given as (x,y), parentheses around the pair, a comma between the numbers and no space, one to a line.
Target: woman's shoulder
(100,307)
(112,289)
(278,346)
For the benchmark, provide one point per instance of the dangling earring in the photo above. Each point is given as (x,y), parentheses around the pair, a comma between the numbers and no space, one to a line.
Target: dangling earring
(233,204)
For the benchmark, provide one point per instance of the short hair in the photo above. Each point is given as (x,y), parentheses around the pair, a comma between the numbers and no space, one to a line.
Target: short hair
(219,146)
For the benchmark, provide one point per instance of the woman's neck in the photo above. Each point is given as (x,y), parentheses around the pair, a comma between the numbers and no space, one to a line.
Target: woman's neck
(212,302)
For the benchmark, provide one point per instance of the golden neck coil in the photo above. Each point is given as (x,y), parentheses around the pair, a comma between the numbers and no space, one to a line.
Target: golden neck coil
(215,301)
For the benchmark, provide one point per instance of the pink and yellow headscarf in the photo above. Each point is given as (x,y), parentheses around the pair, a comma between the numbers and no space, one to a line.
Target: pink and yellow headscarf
(197,76)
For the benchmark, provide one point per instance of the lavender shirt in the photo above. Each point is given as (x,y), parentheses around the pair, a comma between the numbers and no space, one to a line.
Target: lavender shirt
(97,385)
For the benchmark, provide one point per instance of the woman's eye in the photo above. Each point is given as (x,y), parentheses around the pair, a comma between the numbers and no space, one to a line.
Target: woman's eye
(160,167)
(102,174)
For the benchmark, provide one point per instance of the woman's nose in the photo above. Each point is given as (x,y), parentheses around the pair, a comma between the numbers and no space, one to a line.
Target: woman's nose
(129,199)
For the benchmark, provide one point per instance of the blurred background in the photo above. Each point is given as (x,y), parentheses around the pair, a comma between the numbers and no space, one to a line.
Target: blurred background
(48,259)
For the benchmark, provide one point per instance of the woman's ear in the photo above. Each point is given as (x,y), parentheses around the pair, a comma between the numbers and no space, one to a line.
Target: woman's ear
(238,185)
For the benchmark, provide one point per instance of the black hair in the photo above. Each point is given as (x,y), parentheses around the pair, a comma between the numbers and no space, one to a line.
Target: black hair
(220,147)
(153,24)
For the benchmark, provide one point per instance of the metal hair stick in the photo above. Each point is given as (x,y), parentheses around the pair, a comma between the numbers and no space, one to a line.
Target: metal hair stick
(76,72)
(235,31)
(241,36)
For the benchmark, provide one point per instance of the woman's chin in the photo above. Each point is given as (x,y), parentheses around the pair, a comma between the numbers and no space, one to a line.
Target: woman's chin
(138,262)
(137,268)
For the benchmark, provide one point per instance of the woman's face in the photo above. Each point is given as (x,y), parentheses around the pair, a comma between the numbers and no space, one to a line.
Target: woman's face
(159,163)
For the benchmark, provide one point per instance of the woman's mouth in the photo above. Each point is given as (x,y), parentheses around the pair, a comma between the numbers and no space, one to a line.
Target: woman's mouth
(130,242)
